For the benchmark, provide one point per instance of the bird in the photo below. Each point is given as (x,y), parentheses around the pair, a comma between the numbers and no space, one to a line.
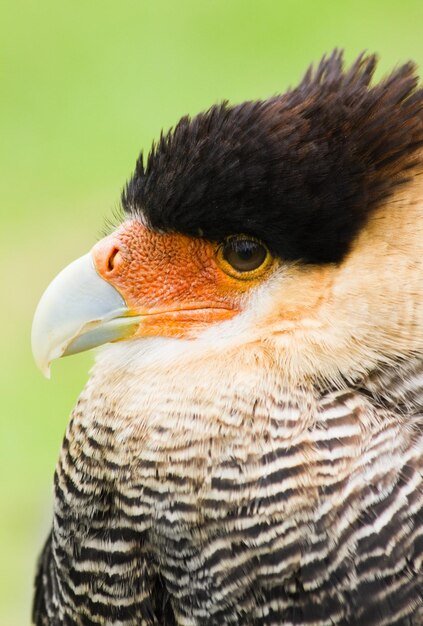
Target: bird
(248,449)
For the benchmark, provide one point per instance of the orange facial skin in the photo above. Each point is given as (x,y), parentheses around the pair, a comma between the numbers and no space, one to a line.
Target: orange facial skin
(172,280)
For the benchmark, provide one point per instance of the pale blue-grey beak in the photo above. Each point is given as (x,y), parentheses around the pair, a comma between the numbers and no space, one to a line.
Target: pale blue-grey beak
(79,310)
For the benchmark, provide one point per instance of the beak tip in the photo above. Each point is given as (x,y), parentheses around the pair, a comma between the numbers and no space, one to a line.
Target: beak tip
(42,362)
(79,310)
(39,353)
(46,372)
(45,368)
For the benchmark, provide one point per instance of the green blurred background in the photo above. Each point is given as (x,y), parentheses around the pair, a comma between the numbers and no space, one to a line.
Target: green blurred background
(84,86)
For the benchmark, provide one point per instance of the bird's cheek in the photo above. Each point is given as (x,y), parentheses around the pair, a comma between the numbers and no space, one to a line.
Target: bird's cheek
(171,280)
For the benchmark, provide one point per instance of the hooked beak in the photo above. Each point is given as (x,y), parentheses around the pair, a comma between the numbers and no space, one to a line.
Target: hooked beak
(79,310)
(133,283)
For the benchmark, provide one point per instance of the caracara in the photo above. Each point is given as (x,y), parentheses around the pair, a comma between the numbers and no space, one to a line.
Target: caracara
(248,449)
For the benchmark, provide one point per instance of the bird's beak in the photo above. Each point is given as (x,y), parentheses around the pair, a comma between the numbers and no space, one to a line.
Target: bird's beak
(133,283)
(79,310)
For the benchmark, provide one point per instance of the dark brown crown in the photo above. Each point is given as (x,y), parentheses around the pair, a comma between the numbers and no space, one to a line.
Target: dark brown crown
(300,171)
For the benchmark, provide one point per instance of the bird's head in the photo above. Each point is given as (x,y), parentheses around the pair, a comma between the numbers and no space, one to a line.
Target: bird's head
(294,224)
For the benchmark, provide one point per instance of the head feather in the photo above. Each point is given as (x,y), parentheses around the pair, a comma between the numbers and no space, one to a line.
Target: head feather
(301,171)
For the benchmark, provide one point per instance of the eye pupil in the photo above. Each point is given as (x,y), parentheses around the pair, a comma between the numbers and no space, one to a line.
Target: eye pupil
(245,250)
(244,255)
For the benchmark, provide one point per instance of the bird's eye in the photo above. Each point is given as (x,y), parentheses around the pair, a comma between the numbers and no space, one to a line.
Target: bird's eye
(242,256)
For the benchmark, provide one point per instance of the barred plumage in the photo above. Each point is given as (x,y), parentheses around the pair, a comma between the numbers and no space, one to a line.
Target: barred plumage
(310,513)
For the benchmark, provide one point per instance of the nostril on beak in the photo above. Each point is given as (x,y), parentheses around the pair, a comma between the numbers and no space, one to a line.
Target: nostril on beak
(107,256)
(111,261)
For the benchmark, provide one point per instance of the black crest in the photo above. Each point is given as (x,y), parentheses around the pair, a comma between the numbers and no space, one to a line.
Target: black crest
(300,171)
